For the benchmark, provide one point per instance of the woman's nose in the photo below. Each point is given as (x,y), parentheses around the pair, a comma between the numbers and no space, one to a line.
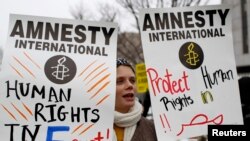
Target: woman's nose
(130,84)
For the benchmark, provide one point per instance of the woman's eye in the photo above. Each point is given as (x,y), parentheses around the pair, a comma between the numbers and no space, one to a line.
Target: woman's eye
(132,81)
(119,81)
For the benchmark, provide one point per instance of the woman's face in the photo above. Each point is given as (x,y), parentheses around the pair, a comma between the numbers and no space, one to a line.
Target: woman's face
(125,89)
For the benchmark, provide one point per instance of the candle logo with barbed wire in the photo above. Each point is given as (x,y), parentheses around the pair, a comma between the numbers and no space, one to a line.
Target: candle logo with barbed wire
(60,69)
(191,55)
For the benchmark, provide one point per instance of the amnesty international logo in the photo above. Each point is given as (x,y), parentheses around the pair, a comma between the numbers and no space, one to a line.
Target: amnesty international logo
(60,69)
(191,55)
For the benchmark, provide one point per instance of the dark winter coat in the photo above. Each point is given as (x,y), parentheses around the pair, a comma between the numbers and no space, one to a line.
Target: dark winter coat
(145,131)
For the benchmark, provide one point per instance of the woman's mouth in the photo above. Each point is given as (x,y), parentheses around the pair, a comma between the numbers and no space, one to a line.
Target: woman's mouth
(129,96)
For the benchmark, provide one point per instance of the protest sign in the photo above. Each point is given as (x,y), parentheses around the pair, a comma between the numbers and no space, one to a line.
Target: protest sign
(191,69)
(57,80)
(141,78)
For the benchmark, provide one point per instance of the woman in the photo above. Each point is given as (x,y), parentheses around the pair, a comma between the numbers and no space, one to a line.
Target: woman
(129,124)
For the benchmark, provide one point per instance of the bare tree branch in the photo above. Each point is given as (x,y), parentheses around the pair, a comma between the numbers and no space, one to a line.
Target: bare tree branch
(108,13)
(80,12)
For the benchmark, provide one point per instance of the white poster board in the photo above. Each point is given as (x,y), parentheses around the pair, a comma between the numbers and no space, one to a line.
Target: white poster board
(191,69)
(57,80)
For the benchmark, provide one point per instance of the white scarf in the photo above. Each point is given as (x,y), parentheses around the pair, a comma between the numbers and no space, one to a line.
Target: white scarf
(128,120)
